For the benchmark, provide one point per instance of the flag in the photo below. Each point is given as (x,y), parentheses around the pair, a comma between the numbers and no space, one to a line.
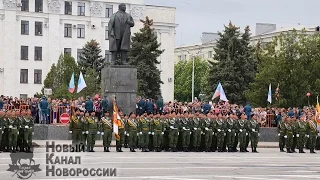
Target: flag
(71,87)
(81,83)
(277,93)
(220,92)
(269,95)
(115,119)
(318,114)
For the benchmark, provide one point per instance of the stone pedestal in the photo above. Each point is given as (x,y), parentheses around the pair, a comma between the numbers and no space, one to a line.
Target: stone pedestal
(120,81)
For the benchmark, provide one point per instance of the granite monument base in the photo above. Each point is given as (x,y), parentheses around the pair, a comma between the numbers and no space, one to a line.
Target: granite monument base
(120,81)
(61,132)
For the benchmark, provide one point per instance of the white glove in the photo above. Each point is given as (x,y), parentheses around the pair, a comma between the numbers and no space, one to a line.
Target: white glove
(32,133)
(162,133)
(2,132)
(297,135)
(10,126)
(235,134)
(102,133)
(246,134)
(258,134)
(149,132)
(279,134)
(285,136)
(140,133)
(98,132)
(178,133)
(253,130)
(224,134)
(137,134)
(195,128)
(87,132)
(171,127)
(70,132)
(206,129)
(152,133)
(219,130)
(27,127)
(184,128)
(318,134)
(308,136)
(127,134)
(292,135)
(240,130)
(212,133)
(229,130)
(83,132)
(190,132)
(17,132)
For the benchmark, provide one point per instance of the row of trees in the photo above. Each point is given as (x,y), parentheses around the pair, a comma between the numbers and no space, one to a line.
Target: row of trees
(291,60)
(144,53)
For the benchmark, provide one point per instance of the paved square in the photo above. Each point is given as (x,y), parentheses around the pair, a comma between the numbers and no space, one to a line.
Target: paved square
(268,164)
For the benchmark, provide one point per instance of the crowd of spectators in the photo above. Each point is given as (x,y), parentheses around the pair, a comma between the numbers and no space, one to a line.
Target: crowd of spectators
(47,110)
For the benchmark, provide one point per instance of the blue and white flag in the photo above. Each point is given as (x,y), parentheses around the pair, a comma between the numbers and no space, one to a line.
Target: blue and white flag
(81,83)
(269,95)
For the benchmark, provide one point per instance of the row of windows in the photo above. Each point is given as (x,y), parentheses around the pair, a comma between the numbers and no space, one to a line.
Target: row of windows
(184,57)
(67,7)
(25,53)
(37,28)
(37,74)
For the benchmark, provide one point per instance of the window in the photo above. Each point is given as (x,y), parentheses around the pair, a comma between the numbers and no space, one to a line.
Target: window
(107,33)
(37,76)
(80,30)
(23,75)
(38,5)
(37,53)
(24,96)
(109,11)
(38,28)
(210,54)
(67,51)
(24,5)
(24,52)
(68,8)
(67,30)
(108,56)
(79,53)
(25,27)
(81,8)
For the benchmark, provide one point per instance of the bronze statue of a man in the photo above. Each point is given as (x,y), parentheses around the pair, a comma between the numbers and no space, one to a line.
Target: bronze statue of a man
(119,34)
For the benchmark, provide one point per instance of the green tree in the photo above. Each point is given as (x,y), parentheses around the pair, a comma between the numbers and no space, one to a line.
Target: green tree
(91,57)
(236,64)
(291,60)
(183,79)
(143,54)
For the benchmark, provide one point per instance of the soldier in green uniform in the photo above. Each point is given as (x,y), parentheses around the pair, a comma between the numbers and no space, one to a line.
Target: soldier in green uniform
(294,124)
(13,126)
(214,133)
(301,133)
(165,137)
(150,144)
(5,135)
(230,132)
(93,128)
(20,141)
(2,125)
(242,132)
(220,131)
(28,125)
(173,132)
(196,132)
(85,130)
(254,130)
(75,128)
(289,134)
(236,132)
(106,128)
(207,129)
(132,131)
(144,131)
(121,132)
(157,132)
(185,131)
(312,132)
(282,133)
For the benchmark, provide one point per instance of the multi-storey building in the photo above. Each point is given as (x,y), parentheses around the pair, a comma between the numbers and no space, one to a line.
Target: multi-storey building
(34,33)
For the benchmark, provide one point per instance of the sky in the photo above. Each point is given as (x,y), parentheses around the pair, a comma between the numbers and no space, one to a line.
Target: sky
(196,16)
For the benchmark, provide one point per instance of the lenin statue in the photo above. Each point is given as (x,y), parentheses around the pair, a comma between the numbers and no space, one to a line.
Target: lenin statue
(119,34)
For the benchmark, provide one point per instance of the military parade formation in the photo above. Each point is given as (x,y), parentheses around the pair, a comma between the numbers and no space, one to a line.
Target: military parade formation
(16,131)
(167,132)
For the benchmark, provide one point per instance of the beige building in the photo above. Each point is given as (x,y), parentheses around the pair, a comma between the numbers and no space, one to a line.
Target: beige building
(264,34)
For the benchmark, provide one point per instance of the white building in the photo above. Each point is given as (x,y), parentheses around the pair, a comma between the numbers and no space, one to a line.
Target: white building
(33,33)
(264,34)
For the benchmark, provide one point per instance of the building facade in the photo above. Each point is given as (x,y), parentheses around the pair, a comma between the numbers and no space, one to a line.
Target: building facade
(34,33)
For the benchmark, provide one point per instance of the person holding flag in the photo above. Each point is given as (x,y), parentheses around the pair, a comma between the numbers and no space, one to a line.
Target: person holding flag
(118,126)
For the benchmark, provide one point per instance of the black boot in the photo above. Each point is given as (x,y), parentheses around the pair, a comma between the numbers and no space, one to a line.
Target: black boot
(120,150)
(312,150)
(107,149)
(197,149)
(229,149)
(302,150)
(255,150)
(281,149)
(293,151)
(246,150)
(252,149)
(288,150)
(13,150)
(104,149)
